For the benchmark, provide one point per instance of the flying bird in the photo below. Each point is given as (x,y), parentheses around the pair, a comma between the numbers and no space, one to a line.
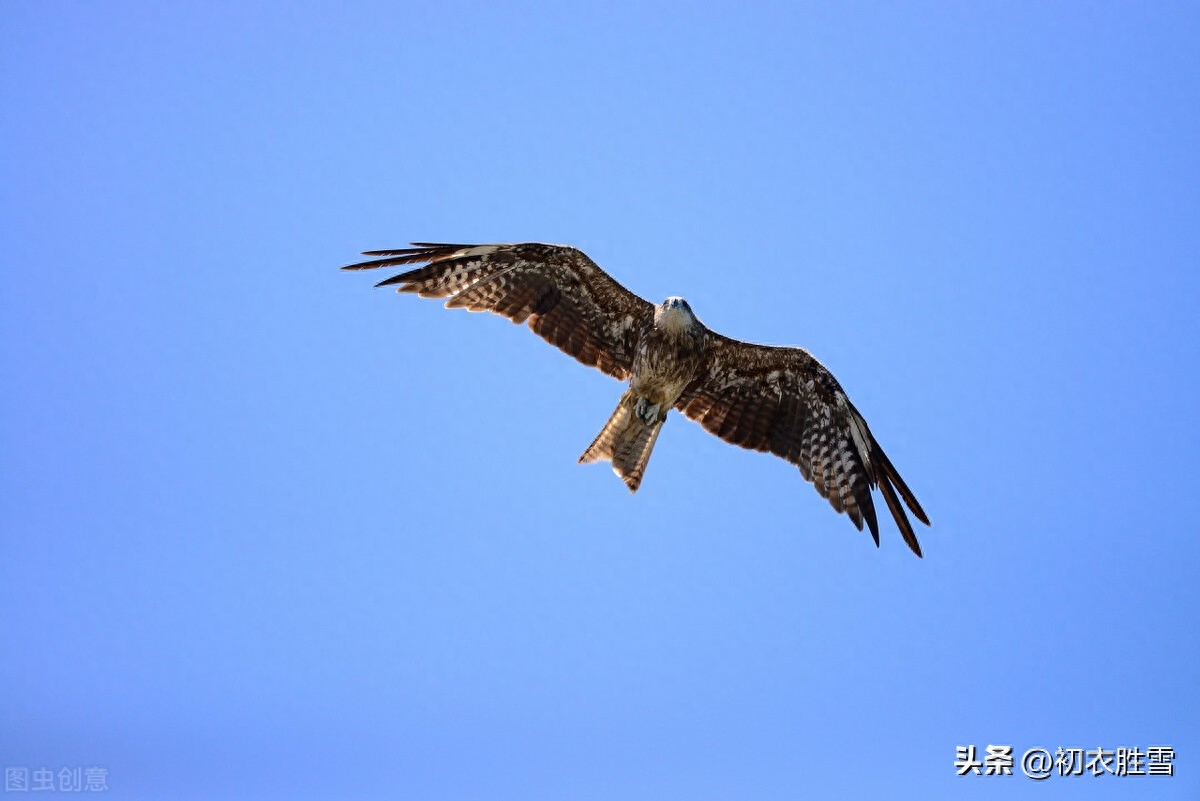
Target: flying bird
(765,398)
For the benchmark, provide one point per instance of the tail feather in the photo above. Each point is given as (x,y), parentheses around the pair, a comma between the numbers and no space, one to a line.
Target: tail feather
(633,452)
(625,441)
(603,446)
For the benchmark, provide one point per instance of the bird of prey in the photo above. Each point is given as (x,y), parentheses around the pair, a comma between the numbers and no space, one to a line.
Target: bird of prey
(766,398)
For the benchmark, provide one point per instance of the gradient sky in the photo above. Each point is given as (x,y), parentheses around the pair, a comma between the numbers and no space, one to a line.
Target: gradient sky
(268,532)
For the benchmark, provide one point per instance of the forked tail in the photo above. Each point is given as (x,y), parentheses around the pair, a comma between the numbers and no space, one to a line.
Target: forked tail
(626,441)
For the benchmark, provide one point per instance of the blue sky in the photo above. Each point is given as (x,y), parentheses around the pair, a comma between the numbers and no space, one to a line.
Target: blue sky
(269,532)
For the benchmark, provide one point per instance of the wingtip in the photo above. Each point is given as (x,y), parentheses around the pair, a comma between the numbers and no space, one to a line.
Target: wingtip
(910,499)
(893,504)
(360,265)
(874,526)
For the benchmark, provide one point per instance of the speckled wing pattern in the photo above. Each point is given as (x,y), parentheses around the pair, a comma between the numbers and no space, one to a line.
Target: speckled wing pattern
(563,296)
(783,401)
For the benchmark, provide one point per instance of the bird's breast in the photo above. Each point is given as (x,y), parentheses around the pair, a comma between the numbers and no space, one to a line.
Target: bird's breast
(664,364)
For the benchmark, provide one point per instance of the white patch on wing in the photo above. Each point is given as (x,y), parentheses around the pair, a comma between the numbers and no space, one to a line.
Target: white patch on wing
(622,326)
(481,250)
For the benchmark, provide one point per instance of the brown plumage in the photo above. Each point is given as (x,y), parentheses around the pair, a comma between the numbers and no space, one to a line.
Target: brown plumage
(779,400)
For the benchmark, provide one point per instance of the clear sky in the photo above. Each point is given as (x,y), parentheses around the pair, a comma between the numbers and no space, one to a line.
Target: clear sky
(268,532)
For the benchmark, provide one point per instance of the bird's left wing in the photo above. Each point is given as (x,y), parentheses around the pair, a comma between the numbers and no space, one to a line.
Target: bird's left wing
(784,401)
(564,297)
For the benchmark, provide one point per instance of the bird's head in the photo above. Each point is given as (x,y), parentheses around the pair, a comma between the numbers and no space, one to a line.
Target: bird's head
(674,313)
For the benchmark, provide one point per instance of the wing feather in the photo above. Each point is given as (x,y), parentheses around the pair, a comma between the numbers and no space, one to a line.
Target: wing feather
(783,401)
(557,290)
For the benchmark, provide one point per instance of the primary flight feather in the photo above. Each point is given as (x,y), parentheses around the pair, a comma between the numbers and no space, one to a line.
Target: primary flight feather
(775,399)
